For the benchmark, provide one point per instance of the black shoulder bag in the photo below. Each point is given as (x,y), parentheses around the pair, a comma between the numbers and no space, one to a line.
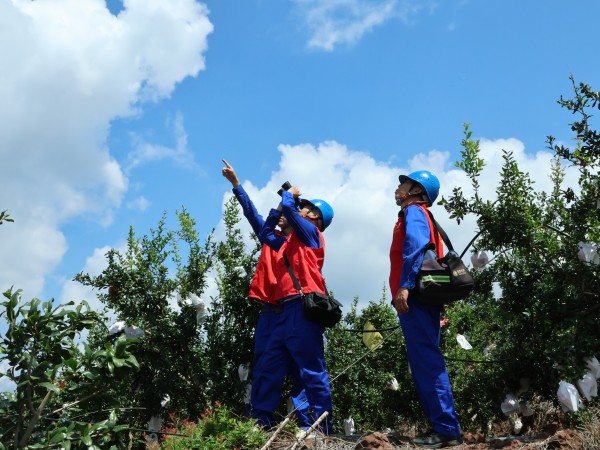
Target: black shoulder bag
(443,280)
(320,308)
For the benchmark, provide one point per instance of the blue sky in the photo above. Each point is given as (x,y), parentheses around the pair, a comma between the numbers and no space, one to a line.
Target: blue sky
(114,113)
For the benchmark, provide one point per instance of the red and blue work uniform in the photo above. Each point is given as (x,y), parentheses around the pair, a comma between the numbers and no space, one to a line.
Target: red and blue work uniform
(294,336)
(262,290)
(421,324)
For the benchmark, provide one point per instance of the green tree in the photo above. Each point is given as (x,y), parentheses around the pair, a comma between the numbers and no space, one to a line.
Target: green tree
(231,323)
(141,286)
(54,379)
(542,322)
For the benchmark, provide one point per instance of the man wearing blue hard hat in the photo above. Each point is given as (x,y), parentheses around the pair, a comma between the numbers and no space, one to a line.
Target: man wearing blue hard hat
(420,322)
(294,336)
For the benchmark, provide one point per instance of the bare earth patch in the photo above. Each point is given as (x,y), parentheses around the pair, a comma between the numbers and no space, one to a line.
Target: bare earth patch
(562,440)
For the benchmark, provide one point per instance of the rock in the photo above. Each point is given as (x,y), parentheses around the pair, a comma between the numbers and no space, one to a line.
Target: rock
(374,441)
(566,439)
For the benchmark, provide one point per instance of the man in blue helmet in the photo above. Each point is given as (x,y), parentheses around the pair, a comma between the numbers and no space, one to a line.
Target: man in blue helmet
(261,291)
(420,322)
(294,336)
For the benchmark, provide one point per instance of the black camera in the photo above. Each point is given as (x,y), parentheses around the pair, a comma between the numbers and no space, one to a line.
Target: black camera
(284,187)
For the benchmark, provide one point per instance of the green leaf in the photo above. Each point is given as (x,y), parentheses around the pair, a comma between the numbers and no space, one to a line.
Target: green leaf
(57,437)
(118,362)
(50,387)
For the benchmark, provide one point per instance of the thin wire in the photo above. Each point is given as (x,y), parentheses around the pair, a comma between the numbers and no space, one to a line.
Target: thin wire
(490,361)
(371,331)
(158,432)
(395,329)
(364,355)
(71,419)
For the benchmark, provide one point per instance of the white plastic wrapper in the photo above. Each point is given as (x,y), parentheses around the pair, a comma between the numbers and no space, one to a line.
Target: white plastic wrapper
(200,309)
(510,405)
(479,259)
(462,341)
(594,366)
(568,397)
(349,426)
(133,332)
(199,305)
(588,253)
(393,385)
(115,328)
(243,372)
(247,394)
(518,425)
(588,386)
(240,271)
(154,424)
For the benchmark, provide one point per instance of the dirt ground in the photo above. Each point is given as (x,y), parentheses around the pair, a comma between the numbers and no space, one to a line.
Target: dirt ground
(563,440)
(550,433)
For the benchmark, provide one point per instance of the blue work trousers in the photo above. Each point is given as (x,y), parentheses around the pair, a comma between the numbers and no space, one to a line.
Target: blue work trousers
(267,320)
(421,329)
(293,340)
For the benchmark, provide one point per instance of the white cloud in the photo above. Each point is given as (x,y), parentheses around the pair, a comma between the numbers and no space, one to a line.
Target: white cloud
(140,203)
(69,68)
(361,192)
(338,22)
(6,384)
(146,152)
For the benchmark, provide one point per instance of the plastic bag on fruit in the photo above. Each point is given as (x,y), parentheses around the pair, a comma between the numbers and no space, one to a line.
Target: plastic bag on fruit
(247,393)
(134,332)
(349,426)
(243,372)
(116,327)
(588,386)
(588,253)
(393,385)
(510,405)
(130,332)
(594,366)
(568,397)
(199,305)
(463,342)
(479,259)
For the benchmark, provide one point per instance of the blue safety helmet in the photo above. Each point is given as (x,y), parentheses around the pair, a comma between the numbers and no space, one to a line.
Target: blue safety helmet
(324,208)
(427,180)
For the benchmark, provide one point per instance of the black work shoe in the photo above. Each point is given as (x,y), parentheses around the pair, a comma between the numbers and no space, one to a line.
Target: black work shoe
(434,439)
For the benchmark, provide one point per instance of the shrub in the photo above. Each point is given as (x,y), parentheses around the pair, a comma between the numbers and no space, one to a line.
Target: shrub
(218,429)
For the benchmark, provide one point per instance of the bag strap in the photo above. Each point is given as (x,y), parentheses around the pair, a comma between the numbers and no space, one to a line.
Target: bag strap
(292,274)
(294,279)
(440,230)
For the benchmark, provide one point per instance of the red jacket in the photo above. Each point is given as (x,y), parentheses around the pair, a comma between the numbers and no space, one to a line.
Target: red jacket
(306,263)
(264,281)
(396,257)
